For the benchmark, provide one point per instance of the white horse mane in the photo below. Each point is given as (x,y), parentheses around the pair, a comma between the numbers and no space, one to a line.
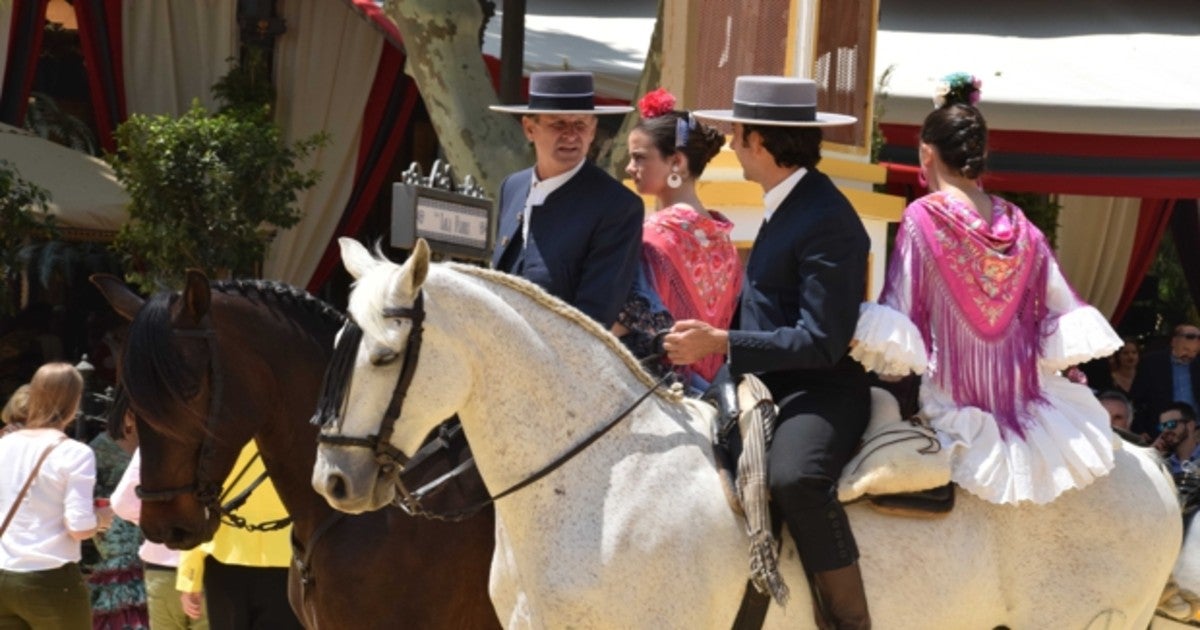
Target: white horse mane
(369,298)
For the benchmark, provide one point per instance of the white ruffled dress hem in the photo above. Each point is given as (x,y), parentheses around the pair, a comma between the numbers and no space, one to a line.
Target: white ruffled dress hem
(1068,444)
(886,342)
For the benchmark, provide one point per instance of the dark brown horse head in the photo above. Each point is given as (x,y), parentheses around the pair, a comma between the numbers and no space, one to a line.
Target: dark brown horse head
(166,365)
(270,348)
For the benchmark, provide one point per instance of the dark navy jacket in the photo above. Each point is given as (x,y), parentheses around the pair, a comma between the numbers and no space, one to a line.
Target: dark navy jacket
(1154,388)
(805,281)
(585,240)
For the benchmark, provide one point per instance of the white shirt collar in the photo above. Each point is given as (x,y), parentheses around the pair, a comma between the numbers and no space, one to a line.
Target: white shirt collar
(539,189)
(772,198)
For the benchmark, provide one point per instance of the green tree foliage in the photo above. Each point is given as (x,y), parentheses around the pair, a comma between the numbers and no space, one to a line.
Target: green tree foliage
(23,218)
(207,191)
(1171,302)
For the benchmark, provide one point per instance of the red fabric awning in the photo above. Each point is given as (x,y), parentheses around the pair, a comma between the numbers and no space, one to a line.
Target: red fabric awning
(1067,163)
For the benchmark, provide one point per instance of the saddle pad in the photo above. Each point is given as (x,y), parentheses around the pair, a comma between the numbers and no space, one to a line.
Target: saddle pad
(897,456)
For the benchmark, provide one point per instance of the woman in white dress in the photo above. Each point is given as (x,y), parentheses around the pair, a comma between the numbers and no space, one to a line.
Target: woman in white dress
(975,301)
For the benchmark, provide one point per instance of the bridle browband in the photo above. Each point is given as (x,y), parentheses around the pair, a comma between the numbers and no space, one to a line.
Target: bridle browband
(389,458)
(207,491)
(392,462)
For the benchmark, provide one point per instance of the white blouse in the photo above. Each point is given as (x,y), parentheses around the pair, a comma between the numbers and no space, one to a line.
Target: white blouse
(127,505)
(58,501)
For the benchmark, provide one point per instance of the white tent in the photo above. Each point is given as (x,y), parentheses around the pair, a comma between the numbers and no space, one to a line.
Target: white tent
(85,197)
(609,39)
(1076,66)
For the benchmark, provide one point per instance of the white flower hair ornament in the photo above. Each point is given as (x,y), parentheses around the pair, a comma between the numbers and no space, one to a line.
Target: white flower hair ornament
(958,87)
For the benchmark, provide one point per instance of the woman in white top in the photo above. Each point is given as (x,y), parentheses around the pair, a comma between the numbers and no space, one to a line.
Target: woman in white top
(162,600)
(40,582)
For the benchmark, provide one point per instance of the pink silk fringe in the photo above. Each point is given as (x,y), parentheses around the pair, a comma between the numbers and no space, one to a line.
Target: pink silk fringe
(995,373)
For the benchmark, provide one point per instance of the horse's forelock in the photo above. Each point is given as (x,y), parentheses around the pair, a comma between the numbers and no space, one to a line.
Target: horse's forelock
(369,299)
(152,371)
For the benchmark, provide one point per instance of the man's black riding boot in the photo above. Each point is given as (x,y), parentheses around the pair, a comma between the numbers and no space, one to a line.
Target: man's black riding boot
(842,600)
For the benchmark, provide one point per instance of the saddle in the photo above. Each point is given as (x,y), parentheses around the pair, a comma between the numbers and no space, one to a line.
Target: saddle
(900,467)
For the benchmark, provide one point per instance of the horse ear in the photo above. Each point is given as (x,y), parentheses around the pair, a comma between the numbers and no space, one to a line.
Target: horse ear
(125,302)
(356,258)
(197,296)
(419,259)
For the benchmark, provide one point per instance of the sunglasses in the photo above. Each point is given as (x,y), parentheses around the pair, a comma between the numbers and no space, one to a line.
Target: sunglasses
(1190,336)
(1169,425)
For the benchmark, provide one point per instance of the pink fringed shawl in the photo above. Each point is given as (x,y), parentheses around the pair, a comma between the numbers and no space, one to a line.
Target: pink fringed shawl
(694,267)
(978,296)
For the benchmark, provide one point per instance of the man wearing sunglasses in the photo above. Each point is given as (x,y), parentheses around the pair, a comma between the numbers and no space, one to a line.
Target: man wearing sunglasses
(1167,376)
(1178,438)
(1180,442)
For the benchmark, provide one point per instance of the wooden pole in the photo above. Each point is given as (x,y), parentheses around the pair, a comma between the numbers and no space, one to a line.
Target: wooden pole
(512,51)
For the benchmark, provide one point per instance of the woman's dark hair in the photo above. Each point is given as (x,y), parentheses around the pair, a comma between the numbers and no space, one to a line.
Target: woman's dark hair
(790,146)
(703,142)
(958,133)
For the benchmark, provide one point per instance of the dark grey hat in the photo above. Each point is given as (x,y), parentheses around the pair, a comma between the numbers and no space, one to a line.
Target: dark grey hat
(777,101)
(561,93)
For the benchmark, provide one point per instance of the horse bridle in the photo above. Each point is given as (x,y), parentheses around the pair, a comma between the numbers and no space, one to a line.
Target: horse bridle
(390,458)
(207,491)
(392,462)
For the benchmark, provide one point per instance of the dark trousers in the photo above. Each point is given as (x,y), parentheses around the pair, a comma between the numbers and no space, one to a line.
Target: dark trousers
(818,429)
(53,599)
(247,598)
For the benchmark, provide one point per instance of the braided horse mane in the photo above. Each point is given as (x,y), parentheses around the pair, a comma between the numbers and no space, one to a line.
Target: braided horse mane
(369,316)
(571,314)
(154,373)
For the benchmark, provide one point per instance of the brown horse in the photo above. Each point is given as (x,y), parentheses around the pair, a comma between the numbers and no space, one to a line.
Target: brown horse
(211,368)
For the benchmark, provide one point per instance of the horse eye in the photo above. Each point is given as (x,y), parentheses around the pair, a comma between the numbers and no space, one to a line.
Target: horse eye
(384,357)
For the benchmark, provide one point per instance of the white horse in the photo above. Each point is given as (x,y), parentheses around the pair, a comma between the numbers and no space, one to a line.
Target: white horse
(1181,606)
(634,531)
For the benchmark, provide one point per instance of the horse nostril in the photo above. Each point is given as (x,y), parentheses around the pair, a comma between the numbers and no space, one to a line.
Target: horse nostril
(336,487)
(177,535)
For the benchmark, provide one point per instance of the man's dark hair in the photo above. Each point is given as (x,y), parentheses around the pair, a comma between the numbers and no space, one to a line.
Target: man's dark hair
(790,146)
(1184,409)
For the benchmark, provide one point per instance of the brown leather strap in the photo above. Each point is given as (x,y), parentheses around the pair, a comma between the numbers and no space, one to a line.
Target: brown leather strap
(28,482)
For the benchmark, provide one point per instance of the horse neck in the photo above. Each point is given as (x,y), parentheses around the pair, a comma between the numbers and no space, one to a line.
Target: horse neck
(545,383)
(272,373)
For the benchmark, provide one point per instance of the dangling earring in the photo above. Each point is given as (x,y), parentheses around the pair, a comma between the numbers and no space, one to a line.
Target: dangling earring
(921,178)
(674,180)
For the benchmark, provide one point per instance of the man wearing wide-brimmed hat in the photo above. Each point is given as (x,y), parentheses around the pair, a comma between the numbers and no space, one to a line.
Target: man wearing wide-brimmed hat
(805,280)
(565,224)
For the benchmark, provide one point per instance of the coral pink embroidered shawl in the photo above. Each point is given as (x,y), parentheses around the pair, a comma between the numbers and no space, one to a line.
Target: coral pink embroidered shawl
(694,268)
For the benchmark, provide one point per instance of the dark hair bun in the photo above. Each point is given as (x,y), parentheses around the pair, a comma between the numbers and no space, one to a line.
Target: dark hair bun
(959,135)
(703,142)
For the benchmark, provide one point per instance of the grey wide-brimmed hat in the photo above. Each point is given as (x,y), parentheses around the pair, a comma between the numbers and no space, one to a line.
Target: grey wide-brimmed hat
(561,93)
(776,101)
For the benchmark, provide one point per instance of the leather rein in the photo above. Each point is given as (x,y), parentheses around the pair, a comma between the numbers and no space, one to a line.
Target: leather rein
(208,492)
(393,462)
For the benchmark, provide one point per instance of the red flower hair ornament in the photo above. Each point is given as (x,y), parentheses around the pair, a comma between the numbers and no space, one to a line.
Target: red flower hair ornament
(656,103)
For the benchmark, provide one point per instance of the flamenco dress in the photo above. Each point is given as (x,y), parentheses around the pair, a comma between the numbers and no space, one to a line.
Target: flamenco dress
(983,313)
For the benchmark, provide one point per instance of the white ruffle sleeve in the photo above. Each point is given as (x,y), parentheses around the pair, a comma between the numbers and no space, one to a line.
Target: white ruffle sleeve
(886,342)
(1080,332)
